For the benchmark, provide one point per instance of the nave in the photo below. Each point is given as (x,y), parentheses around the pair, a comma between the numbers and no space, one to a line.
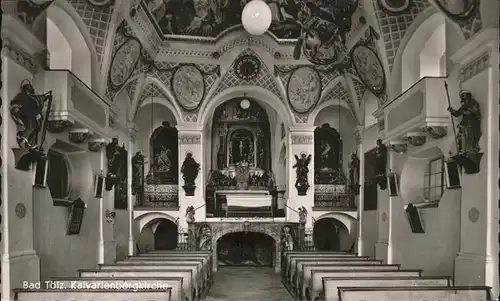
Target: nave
(311,276)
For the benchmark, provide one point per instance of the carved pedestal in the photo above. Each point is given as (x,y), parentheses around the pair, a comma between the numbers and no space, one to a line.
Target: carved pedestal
(469,161)
(189,189)
(24,157)
(301,236)
(302,189)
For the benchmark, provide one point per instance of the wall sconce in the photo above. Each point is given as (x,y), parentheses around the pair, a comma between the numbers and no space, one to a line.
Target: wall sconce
(110,216)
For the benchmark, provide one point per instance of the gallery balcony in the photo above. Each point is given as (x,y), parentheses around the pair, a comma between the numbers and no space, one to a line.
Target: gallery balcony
(418,113)
(76,105)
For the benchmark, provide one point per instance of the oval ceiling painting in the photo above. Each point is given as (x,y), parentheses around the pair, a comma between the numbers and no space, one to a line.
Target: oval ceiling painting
(458,10)
(124,62)
(369,68)
(303,89)
(188,87)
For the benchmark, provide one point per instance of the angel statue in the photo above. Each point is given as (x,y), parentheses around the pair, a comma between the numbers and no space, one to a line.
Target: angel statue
(301,183)
(302,215)
(190,214)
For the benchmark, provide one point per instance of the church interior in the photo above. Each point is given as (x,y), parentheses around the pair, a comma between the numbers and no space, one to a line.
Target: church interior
(250,150)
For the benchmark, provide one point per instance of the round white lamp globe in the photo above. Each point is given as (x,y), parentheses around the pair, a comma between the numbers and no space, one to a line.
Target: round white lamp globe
(256,17)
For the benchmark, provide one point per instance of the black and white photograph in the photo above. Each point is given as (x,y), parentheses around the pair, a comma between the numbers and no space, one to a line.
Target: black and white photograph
(268,150)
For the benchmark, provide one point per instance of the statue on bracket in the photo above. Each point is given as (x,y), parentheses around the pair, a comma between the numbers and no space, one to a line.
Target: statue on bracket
(114,154)
(354,174)
(303,215)
(189,169)
(469,133)
(381,165)
(302,169)
(138,162)
(26,110)
(287,239)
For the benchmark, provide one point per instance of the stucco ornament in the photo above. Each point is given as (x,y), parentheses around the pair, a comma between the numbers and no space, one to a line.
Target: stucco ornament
(124,62)
(304,89)
(188,87)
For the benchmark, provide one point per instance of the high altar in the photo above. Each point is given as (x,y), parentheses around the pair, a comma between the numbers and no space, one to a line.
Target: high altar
(241,179)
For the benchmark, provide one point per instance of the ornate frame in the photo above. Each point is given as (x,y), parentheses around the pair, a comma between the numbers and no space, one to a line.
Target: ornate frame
(463,16)
(396,11)
(130,39)
(351,54)
(292,72)
(177,68)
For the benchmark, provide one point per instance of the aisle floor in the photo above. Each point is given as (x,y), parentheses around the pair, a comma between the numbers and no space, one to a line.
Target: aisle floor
(247,284)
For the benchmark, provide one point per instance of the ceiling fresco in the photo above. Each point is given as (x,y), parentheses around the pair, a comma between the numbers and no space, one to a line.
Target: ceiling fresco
(320,26)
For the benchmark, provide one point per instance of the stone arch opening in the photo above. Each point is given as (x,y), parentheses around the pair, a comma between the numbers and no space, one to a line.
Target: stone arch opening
(330,234)
(158,233)
(246,248)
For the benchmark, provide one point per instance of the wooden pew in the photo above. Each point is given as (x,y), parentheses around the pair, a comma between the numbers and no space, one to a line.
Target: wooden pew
(301,278)
(315,286)
(92,294)
(309,267)
(286,255)
(429,293)
(331,285)
(205,269)
(174,283)
(206,259)
(163,253)
(292,265)
(198,276)
(190,289)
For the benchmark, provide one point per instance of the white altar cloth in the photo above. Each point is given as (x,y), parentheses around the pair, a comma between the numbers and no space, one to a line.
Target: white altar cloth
(251,201)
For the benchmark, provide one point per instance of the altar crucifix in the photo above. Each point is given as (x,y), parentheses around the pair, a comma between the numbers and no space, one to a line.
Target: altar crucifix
(242,149)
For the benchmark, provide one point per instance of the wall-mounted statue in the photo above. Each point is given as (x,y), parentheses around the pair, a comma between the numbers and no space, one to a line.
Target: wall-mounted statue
(26,110)
(138,161)
(287,240)
(189,169)
(190,211)
(354,174)
(381,165)
(469,133)
(303,215)
(113,156)
(302,169)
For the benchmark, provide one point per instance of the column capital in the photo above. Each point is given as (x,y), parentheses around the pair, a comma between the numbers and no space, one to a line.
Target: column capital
(189,137)
(132,130)
(358,134)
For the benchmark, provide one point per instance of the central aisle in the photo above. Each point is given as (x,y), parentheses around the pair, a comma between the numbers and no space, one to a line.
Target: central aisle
(247,283)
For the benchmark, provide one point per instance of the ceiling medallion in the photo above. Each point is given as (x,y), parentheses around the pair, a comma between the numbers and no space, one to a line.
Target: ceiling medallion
(247,67)
(369,68)
(100,3)
(395,7)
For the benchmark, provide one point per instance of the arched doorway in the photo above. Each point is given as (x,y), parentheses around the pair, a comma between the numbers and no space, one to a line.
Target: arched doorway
(245,248)
(165,235)
(329,234)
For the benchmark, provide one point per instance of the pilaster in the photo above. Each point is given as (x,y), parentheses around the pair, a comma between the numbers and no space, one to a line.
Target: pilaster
(358,134)
(301,142)
(191,141)
(132,132)
(477,262)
